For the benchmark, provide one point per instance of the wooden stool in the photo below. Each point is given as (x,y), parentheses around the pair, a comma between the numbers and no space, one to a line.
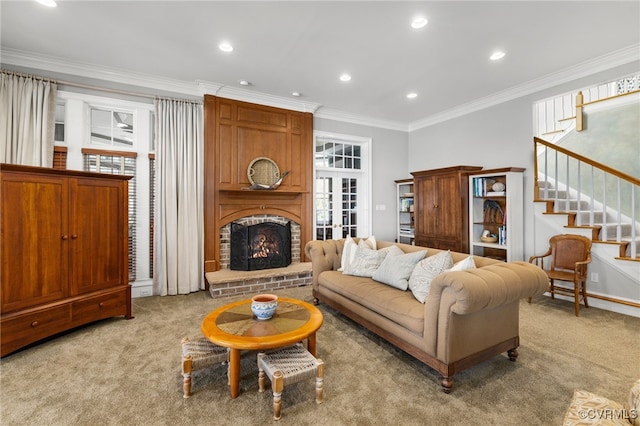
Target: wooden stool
(198,354)
(287,366)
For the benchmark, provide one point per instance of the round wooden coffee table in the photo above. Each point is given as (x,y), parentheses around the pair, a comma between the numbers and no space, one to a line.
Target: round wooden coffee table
(234,326)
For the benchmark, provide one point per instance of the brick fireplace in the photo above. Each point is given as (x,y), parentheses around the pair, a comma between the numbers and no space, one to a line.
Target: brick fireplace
(225,238)
(227,282)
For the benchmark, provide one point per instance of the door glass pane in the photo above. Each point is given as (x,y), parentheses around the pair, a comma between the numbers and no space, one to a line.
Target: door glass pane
(349,207)
(324,208)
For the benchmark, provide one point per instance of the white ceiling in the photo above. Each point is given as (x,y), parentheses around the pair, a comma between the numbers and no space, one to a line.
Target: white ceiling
(304,46)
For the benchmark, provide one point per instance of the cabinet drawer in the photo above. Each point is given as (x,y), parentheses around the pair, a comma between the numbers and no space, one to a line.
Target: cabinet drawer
(20,330)
(99,307)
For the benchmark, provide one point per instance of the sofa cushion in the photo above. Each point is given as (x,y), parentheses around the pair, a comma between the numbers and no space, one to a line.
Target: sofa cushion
(350,247)
(425,271)
(464,264)
(634,402)
(587,408)
(398,306)
(365,262)
(396,269)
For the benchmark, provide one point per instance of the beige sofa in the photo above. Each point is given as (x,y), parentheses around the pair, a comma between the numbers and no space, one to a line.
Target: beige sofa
(468,317)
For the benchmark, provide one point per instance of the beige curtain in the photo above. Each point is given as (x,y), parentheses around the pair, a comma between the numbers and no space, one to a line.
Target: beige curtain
(27,113)
(179,215)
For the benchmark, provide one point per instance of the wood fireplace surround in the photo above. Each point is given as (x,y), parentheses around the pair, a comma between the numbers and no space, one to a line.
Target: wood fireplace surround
(236,133)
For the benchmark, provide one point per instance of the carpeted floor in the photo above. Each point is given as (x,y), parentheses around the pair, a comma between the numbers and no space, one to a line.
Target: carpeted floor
(119,372)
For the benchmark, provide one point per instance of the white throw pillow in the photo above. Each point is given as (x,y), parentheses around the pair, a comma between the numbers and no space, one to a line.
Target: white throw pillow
(349,250)
(464,264)
(365,262)
(425,271)
(395,270)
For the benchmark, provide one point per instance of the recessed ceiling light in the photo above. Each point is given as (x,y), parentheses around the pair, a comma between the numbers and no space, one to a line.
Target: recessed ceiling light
(296,94)
(345,77)
(496,55)
(419,22)
(48,3)
(245,82)
(225,47)
(412,95)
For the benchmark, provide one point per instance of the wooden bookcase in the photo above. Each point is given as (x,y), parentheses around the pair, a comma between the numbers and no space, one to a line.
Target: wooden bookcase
(498,212)
(405,223)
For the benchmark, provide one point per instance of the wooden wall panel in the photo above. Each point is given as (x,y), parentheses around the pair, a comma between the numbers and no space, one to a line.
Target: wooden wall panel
(225,150)
(257,115)
(235,134)
(254,143)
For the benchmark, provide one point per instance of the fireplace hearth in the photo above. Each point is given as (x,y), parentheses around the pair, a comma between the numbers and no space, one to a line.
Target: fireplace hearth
(261,246)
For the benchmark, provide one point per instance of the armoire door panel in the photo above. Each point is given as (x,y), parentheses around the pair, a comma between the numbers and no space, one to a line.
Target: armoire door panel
(34,243)
(97,235)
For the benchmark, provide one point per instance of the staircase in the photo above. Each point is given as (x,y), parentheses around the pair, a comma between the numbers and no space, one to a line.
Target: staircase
(586,204)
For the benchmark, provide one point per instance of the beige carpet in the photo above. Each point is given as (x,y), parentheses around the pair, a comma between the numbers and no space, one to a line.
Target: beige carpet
(120,372)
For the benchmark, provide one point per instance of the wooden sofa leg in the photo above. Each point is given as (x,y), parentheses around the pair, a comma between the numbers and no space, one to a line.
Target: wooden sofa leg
(447,384)
(513,354)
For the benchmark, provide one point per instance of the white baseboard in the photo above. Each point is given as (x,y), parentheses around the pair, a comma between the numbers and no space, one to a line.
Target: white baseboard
(604,305)
(142,288)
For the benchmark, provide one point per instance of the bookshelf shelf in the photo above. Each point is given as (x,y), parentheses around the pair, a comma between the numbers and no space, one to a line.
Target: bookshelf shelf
(496,209)
(405,216)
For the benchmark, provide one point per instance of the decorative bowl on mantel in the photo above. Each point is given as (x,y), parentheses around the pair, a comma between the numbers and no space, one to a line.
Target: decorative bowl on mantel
(264,306)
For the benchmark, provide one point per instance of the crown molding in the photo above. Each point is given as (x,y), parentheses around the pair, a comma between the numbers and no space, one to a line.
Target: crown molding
(602,63)
(337,115)
(201,87)
(120,76)
(81,69)
(246,95)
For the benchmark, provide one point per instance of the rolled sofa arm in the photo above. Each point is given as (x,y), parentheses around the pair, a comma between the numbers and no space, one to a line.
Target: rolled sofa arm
(325,256)
(468,311)
(488,287)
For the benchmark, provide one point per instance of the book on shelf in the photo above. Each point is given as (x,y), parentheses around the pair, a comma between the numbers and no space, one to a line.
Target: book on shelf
(482,188)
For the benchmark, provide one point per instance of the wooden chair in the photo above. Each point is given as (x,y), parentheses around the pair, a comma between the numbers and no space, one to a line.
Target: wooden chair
(198,354)
(569,256)
(288,366)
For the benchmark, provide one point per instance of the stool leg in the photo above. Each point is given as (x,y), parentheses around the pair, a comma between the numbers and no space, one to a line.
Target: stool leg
(319,382)
(186,374)
(260,374)
(277,385)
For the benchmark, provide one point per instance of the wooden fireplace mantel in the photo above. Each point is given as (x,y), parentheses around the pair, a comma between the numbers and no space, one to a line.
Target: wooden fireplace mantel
(236,133)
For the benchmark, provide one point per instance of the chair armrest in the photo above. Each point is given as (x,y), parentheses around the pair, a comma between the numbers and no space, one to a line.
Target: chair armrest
(539,260)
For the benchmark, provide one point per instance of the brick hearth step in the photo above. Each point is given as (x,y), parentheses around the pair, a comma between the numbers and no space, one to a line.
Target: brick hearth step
(226,282)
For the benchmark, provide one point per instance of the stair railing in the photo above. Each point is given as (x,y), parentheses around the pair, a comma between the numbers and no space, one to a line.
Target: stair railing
(616,194)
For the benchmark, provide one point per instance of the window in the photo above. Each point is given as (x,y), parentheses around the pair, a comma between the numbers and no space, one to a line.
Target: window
(59,124)
(334,154)
(112,128)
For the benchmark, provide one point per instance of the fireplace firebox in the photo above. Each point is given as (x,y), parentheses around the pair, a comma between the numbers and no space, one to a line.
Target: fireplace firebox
(261,246)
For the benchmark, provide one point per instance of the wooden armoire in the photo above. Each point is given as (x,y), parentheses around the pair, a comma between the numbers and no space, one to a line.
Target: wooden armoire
(441,207)
(64,251)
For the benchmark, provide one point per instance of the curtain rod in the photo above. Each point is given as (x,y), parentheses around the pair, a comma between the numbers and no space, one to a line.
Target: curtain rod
(124,92)
(100,89)
(20,74)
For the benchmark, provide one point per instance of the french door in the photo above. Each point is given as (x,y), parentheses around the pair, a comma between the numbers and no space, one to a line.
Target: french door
(336,205)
